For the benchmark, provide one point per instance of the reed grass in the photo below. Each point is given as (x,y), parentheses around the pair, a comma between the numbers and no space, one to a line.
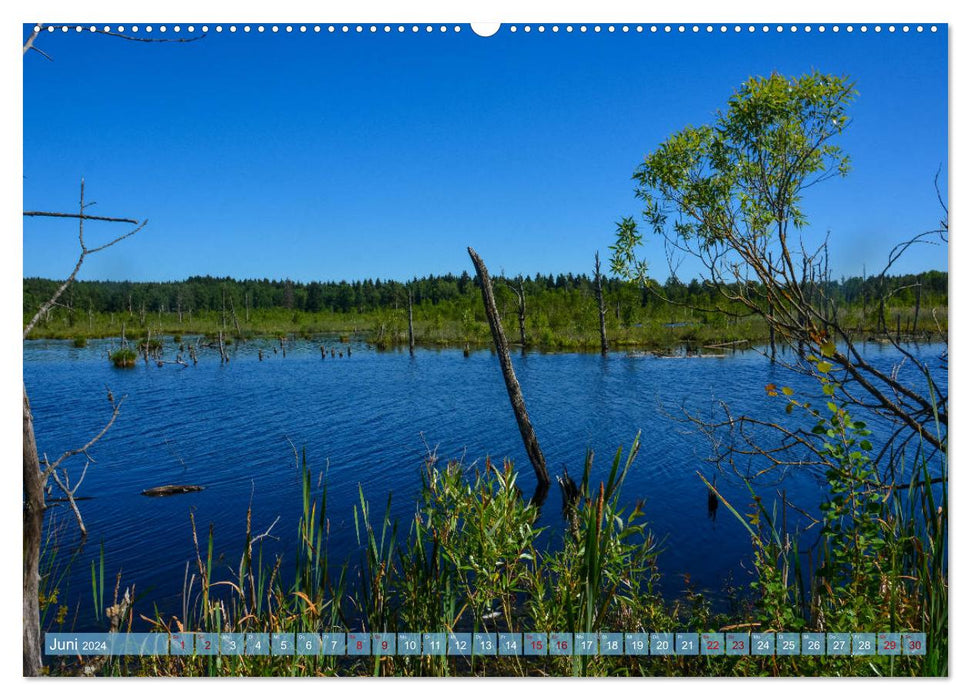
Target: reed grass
(472,559)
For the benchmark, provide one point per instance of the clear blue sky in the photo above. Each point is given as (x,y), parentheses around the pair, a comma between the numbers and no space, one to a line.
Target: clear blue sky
(348,156)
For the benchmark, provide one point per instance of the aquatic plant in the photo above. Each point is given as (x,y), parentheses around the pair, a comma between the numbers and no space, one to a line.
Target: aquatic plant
(123,357)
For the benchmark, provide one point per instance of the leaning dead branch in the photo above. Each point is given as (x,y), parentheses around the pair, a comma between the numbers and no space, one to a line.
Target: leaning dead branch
(38,28)
(62,479)
(85,252)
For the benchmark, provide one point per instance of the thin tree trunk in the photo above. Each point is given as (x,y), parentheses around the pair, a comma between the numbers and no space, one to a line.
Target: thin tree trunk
(917,309)
(522,316)
(232,308)
(509,375)
(520,293)
(600,304)
(33,532)
(411,327)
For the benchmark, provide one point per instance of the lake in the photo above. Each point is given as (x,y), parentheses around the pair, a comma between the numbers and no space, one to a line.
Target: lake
(369,419)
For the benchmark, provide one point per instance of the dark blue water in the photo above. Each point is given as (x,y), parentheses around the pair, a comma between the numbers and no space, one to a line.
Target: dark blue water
(369,419)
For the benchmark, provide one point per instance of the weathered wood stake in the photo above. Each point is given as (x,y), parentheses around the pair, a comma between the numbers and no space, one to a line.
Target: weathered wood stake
(509,375)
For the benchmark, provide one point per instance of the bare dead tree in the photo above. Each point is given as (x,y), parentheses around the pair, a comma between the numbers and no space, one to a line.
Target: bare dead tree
(232,309)
(85,252)
(224,358)
(411,325)
(37,477)
(509,375)
(519,290)
(63,480)
(601,309)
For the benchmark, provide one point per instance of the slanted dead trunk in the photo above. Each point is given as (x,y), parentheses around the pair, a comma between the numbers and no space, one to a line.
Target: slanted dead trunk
(509,375)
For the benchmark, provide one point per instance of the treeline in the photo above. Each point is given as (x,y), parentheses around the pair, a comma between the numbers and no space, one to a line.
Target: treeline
(211,294)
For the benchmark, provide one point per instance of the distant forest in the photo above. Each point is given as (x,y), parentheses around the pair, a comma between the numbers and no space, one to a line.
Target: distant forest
(559,312)
(200,294)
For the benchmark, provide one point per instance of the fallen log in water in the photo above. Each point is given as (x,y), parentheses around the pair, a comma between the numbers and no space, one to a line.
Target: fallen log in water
(171,490)
(730,343)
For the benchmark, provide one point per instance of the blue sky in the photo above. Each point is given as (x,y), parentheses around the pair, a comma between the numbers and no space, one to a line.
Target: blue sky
(348,156)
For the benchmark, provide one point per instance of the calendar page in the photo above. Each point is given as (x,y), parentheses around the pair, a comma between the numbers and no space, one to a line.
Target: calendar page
(427,348)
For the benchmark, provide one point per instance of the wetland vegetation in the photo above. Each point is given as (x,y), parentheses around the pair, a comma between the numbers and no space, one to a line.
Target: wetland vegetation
(866,431)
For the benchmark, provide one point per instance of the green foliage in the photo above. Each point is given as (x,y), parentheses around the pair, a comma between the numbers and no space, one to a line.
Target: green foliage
(880,555)
(745,173)
(603,577)
(624,261)
(854,541)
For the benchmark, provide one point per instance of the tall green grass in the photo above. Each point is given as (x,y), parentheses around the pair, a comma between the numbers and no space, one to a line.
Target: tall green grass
(473,559)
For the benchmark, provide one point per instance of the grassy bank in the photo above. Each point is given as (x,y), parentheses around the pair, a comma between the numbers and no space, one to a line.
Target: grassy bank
(433,328)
